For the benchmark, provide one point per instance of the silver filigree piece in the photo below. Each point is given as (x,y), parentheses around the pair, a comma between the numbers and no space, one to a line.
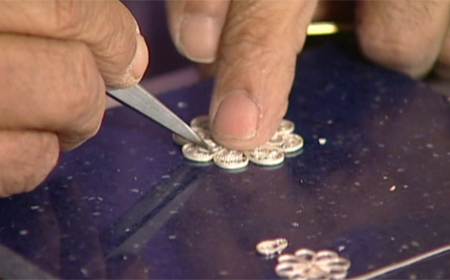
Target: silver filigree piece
(271,247)
(213,146)
(202,132)
(206,136)
(285,127)
(276,140)
(292,143)
(230,159)
(266,155)
(270,154)
(200,122)
(306,264)
(196,153)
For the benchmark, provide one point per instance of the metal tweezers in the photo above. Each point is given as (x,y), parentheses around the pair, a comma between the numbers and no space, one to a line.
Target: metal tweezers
(142,101)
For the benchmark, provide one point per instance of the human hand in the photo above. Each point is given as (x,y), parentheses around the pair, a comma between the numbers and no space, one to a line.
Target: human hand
(255,44)
(55,59)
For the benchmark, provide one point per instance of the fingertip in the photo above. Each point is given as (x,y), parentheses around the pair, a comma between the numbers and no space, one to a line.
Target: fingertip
(198,37)
(69,142)
(236,117)
(239,121)
(140,61)
(133,73)
(27,159)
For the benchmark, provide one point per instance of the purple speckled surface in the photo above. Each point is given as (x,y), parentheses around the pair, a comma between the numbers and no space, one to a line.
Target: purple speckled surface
(127,205)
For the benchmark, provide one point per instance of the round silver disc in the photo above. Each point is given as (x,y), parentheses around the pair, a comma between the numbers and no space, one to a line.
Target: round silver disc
(200,122)
(230,159)
(266,155)
(196,153)
(285,127)
(276,140)
(292,142)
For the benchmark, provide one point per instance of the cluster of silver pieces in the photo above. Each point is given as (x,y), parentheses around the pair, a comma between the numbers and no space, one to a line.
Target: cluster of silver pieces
(305,264)
(270,154)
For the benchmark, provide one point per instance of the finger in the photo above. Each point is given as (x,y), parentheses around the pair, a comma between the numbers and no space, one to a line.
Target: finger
(26,158)
(50,85)
(107,27)
(402,35)
(259,46)
(442,67)
(196,27)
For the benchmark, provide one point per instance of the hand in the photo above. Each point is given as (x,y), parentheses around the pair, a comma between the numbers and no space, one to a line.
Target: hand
(255,44)
(55,59)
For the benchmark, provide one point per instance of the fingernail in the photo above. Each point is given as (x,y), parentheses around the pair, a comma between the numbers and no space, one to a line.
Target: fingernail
(237,117)
(198,37)
(140,61)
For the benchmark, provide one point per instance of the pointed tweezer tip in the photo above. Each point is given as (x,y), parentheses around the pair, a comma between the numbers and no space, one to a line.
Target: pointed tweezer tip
(202,143)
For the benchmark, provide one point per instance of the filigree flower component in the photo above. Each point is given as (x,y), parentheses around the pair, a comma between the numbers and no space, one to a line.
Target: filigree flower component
(286,127)
(277,139)
(266,155)
(271,247)
(270,154)
(197,153)
(292,143)
(201,122)
(230,159)
(306,264)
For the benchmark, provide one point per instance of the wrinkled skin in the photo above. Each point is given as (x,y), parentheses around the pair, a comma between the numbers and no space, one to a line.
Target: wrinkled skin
(55,59)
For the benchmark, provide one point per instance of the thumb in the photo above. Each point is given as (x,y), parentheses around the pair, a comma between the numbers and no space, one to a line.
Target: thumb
(257,56)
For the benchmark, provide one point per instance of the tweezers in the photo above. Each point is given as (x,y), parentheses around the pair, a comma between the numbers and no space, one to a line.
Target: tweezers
(142,101)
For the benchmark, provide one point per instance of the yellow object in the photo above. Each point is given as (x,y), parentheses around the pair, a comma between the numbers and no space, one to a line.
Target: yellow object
(322,28)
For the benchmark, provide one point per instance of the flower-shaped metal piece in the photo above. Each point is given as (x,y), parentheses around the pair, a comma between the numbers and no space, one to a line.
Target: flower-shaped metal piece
(306,264)
(272,153)
(271,247)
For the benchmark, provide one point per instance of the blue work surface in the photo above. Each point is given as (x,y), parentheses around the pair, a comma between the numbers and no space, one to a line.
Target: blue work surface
(128,205)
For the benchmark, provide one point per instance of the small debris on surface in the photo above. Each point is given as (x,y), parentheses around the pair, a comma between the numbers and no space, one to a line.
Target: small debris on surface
(322,141)
(182,105)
